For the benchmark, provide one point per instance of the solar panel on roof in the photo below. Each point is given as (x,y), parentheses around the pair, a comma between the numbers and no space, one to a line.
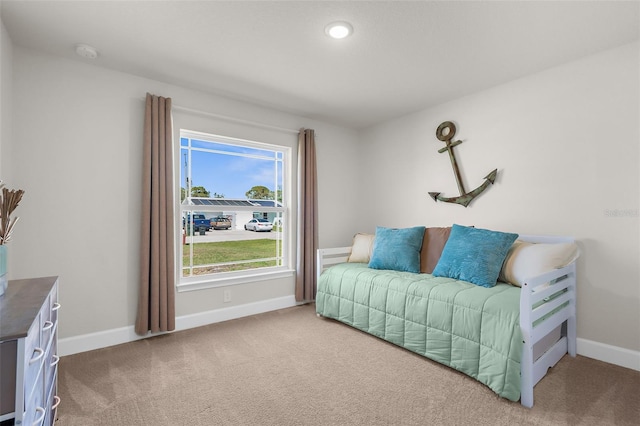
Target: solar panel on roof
(222,202)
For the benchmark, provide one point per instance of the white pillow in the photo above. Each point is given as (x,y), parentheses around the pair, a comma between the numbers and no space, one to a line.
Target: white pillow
(526,260)
(361,248)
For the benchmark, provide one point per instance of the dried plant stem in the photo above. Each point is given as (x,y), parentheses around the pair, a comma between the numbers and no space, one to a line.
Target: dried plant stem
(8,203)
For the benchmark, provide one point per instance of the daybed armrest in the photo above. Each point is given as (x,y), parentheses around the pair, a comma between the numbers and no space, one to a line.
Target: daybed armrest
(546,303)
(331,256)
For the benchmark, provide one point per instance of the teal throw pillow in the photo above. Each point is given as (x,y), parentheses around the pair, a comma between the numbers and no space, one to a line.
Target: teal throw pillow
(474,255)
(397,249)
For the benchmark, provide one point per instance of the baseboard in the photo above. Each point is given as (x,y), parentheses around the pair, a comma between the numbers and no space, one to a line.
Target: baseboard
(203,318)
(117,336)
(607,353)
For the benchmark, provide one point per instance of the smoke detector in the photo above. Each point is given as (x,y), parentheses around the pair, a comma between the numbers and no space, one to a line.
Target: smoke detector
(86,51)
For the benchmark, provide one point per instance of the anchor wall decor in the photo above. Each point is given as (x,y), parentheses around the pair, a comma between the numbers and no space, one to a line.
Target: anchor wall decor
(445,133)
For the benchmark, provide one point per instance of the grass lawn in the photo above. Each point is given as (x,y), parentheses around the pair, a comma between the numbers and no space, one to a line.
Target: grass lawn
(229,251)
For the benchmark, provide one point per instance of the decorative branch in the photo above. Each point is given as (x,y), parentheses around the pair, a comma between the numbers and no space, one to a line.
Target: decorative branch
(9,200)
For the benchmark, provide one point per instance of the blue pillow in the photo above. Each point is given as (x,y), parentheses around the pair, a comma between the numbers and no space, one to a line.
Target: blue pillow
(397,249)
(474,255)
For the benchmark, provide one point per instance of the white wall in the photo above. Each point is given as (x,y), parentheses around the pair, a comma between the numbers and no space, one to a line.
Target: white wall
(6,77)
(77,152)
(565,143)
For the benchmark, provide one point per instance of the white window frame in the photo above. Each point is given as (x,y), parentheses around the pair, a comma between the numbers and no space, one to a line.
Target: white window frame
(221,279)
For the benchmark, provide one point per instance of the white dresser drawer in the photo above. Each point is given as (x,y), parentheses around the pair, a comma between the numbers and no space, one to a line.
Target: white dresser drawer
(52,403)
(36,417)
(55,306)
(45,312)
(32,341)
(34,359)
(51,361)
(29,318)
(35,403)
(46,332)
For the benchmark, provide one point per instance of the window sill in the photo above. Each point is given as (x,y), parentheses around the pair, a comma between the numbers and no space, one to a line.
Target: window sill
(210,282)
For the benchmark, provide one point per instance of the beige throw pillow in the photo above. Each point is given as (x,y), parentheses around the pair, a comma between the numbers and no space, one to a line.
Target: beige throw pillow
(361,248)
(526,260)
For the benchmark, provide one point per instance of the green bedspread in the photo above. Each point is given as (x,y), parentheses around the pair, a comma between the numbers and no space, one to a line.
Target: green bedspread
(470,328)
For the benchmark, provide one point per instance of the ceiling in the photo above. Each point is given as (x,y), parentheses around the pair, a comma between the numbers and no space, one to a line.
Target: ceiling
(402,57)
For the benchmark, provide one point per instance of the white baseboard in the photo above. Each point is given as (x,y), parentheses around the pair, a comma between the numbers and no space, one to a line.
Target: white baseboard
(116,336)
(607,353)
(203,318)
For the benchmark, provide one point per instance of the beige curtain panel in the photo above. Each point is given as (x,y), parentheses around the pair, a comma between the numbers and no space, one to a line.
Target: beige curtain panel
(307,217)
(156,303)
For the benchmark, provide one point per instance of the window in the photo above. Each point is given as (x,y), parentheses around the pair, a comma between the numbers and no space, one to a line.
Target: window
(233,209)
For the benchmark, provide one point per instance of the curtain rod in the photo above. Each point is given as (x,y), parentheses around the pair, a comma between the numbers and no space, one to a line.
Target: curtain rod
(236,120)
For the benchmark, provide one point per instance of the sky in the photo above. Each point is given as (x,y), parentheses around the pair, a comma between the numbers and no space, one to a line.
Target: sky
(227,169)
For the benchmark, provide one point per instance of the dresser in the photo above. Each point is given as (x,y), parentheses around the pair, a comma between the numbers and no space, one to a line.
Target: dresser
(28,351)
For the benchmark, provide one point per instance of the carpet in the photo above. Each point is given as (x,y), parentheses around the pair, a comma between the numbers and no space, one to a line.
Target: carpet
(289,367)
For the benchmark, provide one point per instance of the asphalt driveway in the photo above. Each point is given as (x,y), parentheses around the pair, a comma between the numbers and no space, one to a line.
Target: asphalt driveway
(231,235)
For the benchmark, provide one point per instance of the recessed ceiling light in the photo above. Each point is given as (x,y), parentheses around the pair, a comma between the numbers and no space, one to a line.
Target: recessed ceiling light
(338,29)
(86,51)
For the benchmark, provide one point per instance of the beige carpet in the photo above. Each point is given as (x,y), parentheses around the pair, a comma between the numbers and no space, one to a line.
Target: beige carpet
(290,367)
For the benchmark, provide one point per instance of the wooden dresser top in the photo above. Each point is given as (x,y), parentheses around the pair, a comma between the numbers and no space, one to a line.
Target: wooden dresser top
(20,304)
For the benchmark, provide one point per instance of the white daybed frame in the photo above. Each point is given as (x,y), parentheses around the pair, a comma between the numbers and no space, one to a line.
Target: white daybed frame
(554,336)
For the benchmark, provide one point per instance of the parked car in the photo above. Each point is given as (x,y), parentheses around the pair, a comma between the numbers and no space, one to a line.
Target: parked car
(258,225)
(220,223)
(199,220)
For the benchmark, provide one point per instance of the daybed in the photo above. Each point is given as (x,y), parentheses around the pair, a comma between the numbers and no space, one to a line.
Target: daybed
(505,335)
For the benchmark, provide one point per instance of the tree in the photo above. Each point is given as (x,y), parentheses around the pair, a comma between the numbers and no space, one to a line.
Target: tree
(259,193)
(199,191)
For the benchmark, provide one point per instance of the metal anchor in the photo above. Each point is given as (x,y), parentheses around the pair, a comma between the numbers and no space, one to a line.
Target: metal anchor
(445,133)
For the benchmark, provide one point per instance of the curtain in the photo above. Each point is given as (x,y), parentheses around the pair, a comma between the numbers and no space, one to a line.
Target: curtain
(156,300)
(307,217)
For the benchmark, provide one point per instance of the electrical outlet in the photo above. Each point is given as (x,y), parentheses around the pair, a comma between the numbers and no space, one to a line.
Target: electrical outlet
(226,296)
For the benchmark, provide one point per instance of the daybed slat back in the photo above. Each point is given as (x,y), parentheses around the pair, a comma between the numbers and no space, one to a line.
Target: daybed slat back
(549,306)
(539,282)
(546,286)
(331,256)
(547,327)
(550,287)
